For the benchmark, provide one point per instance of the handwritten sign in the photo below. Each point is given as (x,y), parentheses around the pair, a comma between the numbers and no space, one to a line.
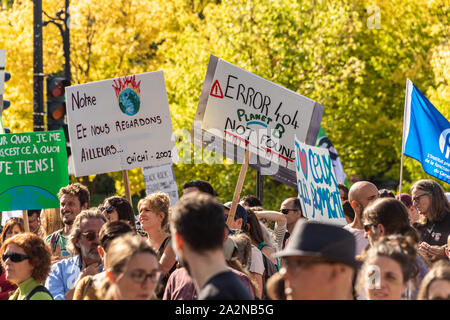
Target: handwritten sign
(161,179)
(33,167)
(238,108)
(317,185)
(120,124)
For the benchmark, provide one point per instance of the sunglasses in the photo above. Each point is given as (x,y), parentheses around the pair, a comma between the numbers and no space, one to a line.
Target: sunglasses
(90,235)
(139,276)
(368,226)
(108,210)
(14,257)
(286,211)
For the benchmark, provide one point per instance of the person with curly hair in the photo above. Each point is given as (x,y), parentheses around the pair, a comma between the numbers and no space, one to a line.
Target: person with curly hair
(388,266)
(26,260)
(116,208)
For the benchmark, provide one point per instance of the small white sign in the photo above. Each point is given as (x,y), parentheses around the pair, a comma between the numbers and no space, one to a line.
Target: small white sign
(120,124)
(6,215)
(317,184)
(161,179)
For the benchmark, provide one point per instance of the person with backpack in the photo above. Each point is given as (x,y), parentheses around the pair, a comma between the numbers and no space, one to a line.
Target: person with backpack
(26,261)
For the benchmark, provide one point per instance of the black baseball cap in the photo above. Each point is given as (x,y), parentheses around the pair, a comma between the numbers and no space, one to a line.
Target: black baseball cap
(240,212)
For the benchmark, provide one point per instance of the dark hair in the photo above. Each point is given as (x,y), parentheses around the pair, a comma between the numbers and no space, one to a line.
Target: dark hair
(254,228)
(440,206)
(199,219)
(296,202)
(385,193)
(123,208)
(78,190)
(112,230)
(348,210)
(344,188)
(201,185)
(37,251)
(251,201)
(393,215)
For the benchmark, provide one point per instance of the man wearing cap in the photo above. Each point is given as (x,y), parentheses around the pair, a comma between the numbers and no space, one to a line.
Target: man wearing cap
(319,262)
(256,267)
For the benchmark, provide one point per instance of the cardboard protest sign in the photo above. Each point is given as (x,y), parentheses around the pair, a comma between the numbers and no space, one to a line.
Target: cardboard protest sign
(241,110)
(161,179)
(120,124)
(317,184)
(33,167)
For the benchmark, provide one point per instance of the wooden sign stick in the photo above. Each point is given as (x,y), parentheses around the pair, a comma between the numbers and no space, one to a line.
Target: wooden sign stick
(26,224)
(237,191)
(126,183)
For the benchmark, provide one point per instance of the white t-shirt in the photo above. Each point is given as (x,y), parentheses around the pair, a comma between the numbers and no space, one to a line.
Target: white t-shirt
(256,261)
(361,242)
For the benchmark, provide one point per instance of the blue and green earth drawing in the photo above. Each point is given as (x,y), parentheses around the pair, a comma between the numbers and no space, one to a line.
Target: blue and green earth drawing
(129,102)
(27,197)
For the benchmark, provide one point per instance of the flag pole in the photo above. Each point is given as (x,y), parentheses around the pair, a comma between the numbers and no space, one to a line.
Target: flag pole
(403,133)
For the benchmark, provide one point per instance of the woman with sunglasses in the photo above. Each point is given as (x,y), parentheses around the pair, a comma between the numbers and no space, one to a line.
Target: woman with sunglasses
(132,270)
(154,216)
(12,227)
(26,260)
(434,222)
(388,216)
(117,208)
(436,285)
(388,267)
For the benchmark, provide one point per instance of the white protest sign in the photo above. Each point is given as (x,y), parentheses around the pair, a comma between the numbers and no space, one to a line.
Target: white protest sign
(317,185)
(161,179)
(120,124)
(244,110)
(6,215)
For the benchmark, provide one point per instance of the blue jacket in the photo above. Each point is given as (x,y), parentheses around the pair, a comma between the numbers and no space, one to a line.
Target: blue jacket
(63,276)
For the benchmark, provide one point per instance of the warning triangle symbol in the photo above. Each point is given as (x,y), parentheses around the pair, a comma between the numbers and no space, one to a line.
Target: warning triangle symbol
(216,91)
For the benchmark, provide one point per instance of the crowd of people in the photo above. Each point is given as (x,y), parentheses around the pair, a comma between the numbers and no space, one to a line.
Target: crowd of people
(393,247)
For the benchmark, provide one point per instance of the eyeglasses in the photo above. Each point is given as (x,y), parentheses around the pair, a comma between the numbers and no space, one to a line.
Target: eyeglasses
(286,211)
(108,210)
(14,257)
(417,198)
(139,276)
(90,235)
(367,227)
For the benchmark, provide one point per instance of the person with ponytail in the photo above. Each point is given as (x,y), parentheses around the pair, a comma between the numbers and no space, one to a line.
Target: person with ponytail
(389,216)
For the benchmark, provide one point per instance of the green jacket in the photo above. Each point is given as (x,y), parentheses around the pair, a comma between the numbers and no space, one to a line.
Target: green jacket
(25,288)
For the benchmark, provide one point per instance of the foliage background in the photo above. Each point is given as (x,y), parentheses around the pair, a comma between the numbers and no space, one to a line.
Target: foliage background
(352,56)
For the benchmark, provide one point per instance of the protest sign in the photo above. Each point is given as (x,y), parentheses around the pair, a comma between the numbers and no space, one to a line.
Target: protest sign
(33,167)
(120,124)
(317,185)
(161,179)
(238,109)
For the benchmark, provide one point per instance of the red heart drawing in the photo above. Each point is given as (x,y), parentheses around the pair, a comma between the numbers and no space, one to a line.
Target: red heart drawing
(304,163)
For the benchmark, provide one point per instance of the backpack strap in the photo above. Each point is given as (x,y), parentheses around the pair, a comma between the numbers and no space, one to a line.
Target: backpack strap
(262,245)
(39,288)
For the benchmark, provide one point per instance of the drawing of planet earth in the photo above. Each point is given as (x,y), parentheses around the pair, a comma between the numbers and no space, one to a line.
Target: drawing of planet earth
(129,102)
(27,197)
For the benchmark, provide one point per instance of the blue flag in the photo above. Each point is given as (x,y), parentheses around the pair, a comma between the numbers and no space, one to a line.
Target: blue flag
(426,134)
